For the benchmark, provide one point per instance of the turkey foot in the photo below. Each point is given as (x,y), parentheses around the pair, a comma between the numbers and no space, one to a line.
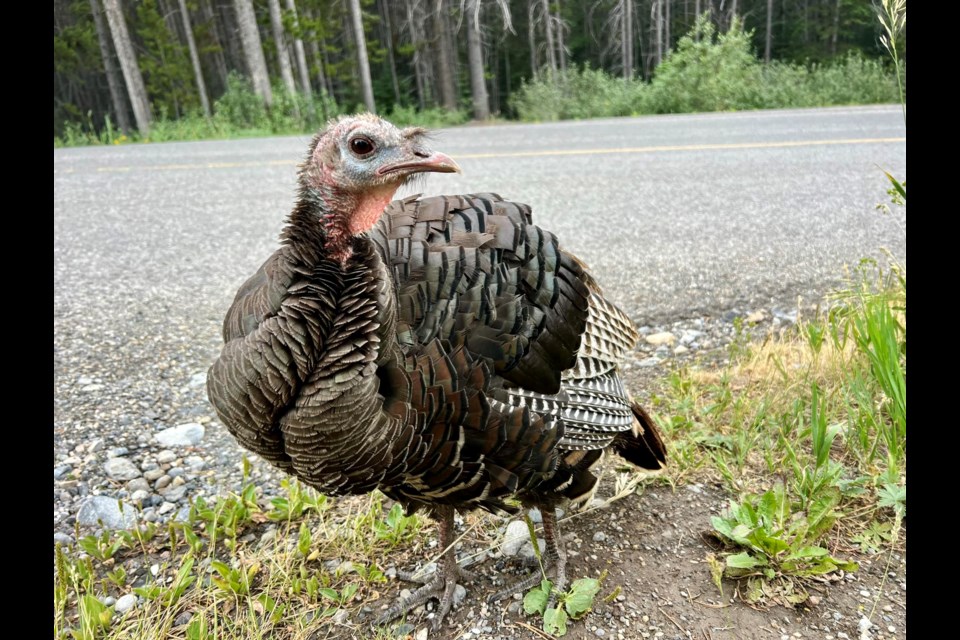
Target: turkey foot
(556,564)
(441,586)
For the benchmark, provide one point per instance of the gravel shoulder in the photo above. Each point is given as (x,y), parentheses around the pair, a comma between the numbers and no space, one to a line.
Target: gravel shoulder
(160,448)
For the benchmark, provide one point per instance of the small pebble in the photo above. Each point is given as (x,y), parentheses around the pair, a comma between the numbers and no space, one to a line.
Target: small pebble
(126,602)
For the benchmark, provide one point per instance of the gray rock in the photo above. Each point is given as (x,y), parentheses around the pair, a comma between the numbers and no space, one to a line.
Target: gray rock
(340,616)
(154,474)
(95,445)
(126,602)
(652,361)
(183,619)
(182,435)
(121,469)
(517,534)
(662,338)
(176,471)
(139,495)
(106,509)
(183,514)
(116,452)
(108,601)
(138,484)
(599,536)
(196,463)
(166,507)
(459,593)
(62,538)
(62,470)
(166,456)
(198,379)
(174,494)
(526,551)
(162,482)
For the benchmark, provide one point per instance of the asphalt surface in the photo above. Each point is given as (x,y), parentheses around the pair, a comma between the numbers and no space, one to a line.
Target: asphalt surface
(677,215)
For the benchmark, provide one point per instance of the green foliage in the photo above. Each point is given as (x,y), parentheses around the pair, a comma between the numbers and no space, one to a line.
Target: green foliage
(573,604)
(102,547)
(576,94)
(397,528)
(234,580)
(299,501)
(876,535)
(893,496)
(94,618)
(778,542)
(872,312)
(167,594)
(165,65)
(708,71)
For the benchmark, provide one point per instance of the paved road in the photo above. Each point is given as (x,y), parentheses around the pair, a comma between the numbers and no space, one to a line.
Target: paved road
(677,215)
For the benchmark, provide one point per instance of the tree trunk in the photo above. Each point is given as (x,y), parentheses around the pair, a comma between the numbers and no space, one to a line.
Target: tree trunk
(836,28)
(301,56)
(478,85)
(283,55)
(561,49)
(195,59)
(448,91)
(548,27)
(626,34)
(319,61)
(666,27)
(218,59)
(113,79)
(417,39)
(767,46)
(532,39)
(253,50)
(363,62)
(656,20)
(391,58)
(696,16)
(128,64)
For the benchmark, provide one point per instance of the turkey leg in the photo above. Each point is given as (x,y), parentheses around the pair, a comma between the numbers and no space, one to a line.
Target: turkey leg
(443,584)
(556,561)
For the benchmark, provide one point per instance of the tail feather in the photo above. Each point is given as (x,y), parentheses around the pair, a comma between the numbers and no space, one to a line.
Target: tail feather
(642,446)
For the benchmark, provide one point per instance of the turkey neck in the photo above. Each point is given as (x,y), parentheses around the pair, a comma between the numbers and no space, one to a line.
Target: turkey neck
(334,218)
(343,297)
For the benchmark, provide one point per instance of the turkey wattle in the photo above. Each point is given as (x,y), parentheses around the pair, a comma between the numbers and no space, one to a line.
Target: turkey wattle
(445,350)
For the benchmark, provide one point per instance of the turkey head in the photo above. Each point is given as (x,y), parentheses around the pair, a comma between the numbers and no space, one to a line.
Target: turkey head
(354,169)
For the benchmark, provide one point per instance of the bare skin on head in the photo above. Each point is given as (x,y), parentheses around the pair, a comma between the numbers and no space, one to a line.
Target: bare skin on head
(356,167)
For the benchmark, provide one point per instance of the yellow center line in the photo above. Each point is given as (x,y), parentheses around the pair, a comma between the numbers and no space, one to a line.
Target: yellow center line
(541,154)
(686,147)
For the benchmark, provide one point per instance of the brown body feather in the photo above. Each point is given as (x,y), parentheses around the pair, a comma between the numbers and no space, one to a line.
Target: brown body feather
(458,357)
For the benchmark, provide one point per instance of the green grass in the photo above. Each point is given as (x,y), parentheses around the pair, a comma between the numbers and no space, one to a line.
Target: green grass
(807,432)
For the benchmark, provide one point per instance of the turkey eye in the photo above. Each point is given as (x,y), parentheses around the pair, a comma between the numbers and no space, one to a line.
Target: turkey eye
(361,146)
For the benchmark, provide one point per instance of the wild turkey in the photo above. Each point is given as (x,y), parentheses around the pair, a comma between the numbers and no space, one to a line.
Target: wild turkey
(445,351)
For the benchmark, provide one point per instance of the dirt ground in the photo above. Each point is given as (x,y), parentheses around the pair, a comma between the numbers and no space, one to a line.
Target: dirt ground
(653,547)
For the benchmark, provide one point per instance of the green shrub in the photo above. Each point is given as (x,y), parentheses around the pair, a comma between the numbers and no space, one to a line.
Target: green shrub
(577,94)
(708,72)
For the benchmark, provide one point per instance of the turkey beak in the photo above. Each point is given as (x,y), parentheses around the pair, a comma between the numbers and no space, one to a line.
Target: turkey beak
(420,161)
